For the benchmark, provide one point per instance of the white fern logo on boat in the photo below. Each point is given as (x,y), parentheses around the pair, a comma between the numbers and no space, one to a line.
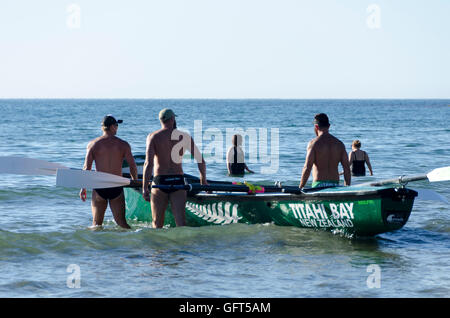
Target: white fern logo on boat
(217,213)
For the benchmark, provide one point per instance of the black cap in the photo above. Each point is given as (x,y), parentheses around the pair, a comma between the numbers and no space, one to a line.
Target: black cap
(109,120)
(321,120)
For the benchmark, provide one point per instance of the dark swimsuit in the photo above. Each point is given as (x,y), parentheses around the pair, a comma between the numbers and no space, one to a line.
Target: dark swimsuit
(237,168)
(358,167)
(169,180)
(109,193)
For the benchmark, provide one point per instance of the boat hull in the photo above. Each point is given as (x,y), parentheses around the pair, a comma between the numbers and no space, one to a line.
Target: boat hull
(363,212)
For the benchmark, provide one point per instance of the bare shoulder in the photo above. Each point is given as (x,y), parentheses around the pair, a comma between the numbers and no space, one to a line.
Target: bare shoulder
(123,143)
(337,141)
(313,142)
(155,137)
(93,142)
(155,134)
(181,133)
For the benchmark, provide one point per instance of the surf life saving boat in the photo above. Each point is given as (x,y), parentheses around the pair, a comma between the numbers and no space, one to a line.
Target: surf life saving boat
(357,210)
(364,210)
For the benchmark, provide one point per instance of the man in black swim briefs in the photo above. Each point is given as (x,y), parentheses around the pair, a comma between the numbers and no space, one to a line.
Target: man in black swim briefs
(169,180)
(108,153)
(109,193)
(164,154)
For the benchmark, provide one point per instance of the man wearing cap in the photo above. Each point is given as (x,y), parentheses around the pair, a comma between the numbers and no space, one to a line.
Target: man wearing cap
(164,154)
(108,152)
(323,156)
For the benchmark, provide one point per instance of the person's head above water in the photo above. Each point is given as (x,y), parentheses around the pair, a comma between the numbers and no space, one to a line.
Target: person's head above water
(321,120)
(166,116)
(356,144)
(321,123)
(109,121)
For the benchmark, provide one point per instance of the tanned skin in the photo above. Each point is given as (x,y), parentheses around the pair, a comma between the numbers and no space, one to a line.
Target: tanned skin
(324,154)
(164,152)
(108,153)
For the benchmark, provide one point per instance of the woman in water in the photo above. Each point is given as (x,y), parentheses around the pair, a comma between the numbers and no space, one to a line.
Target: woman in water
(235,158)
(358,158)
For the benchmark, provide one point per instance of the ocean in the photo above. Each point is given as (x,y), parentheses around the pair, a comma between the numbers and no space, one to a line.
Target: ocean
(48,250)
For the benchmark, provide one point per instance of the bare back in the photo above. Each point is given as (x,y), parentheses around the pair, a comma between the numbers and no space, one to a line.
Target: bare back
(167,153)
(328,152)
(108,152)
(164,156)
(325,152)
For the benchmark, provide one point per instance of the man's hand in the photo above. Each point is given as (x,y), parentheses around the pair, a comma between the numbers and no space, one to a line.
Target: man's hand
(83,195)
(146,195)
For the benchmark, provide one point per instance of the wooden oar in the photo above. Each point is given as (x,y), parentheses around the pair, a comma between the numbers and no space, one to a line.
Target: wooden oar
(90,179)
(28,166)
(228,186)
(267,189)
(65,175)
(438,174)
(196,187)
(96,180)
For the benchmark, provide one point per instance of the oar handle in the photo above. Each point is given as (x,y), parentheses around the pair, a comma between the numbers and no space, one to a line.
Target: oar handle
(199,187)
(135,184)
(235,188)
(399,180)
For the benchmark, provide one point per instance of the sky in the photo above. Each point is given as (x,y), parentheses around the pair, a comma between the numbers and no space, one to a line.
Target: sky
(224,49)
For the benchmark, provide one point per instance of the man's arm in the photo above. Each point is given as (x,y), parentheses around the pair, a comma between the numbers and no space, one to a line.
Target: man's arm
(131,163)
(200,162)
(309,161)
(346,165)
(148,167)
(88,161)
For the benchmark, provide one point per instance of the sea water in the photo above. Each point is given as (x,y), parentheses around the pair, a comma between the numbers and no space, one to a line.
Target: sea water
(48,250)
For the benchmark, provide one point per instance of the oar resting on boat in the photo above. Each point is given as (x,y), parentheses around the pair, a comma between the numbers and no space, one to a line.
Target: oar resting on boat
(435,175)
(94,180)
(196,187)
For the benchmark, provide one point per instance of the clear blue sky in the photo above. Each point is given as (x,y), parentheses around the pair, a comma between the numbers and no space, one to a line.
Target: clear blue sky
(225,49)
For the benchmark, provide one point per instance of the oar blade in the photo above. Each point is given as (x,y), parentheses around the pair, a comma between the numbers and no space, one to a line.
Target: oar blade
(430,195)
(439,174)
(28,166)
(89,179)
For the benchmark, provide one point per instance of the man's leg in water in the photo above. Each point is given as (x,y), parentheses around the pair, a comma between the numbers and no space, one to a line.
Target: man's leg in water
(178,206)
(117,206)
(159,201)
(98,205)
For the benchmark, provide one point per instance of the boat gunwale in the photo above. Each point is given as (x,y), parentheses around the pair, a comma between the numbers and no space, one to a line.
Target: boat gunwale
(334,195)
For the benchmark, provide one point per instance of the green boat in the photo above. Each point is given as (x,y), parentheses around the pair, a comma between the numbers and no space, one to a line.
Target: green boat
(361,211)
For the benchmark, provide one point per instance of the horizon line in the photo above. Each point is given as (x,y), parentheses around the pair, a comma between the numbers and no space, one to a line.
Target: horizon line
(223,98)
